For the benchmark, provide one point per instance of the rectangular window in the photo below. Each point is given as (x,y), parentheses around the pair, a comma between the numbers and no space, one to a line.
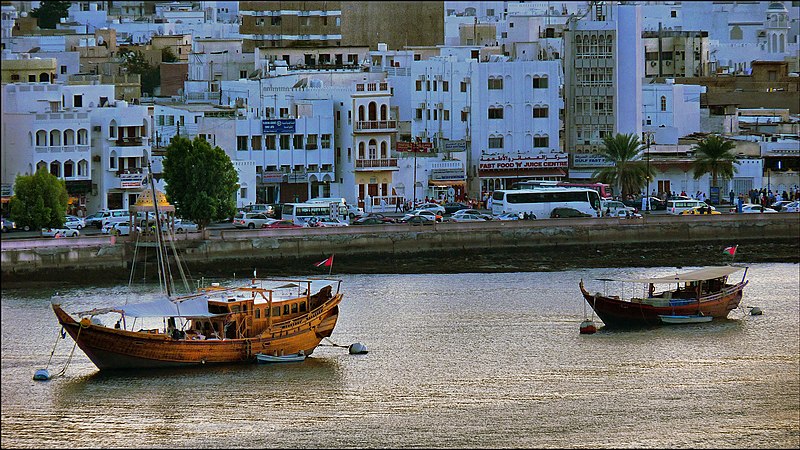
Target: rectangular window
(77,101)
(285,139)
(434,85)
(255,142)
(63,69)
(270,139)
(311,143)
(495,113)
(464,115)
(326,141)
(170,121)
(495,142)
(540,83)
(242,74)
(241,143)
(446,86)
(298,141)
(540,112)
(302,306)
(243,193)
(418,114)
(31,78)
(284,112)
(285,309)
(160,119)
(428,85)
(495,83)
(435,114)
(446,114)
(541,141)
(463,86)
(294,308)
(276,20)
(276,311)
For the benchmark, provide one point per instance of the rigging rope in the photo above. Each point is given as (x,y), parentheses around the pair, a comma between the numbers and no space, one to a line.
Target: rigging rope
(72,352)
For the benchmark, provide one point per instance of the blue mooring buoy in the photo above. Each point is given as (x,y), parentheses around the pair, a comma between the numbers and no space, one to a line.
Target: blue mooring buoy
(41,375)
(358,349)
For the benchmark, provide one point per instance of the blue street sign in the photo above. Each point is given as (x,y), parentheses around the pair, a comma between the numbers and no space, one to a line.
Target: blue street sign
(277,126)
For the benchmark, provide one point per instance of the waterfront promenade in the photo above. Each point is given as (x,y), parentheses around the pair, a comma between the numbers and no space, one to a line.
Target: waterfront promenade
(401,248)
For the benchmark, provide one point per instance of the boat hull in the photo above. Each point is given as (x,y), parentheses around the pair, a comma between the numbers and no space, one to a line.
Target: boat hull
(112,349)
(617,313)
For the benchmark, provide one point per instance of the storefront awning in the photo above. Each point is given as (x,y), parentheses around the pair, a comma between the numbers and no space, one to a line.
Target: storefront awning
(447,183)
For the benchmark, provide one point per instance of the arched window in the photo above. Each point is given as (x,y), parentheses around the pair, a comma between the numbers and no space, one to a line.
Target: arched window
(663,103)
(112,160)
(384,116)
(774,47)
(383,150)
(373,149)
(83,168)
(69,169)
(69,137)
(112,129)
(55,169)
(736,33)
(55,138)
(145,129)
(41,138)
(41,165)
(373,111)
(361,113)
(361,150)
(43,77)
(83,137)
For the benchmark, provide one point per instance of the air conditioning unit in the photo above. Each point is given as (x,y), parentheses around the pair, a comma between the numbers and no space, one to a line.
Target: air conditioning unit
(466,80)
(465,109)
(423,105)
(440,105)
(669,63)
(437,77)
(653,63)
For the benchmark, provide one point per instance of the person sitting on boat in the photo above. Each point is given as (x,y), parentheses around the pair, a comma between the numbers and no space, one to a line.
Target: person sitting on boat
(199,336)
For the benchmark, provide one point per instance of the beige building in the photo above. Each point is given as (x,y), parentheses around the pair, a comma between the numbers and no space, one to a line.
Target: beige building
(332,24)
(29,69)
(670,53)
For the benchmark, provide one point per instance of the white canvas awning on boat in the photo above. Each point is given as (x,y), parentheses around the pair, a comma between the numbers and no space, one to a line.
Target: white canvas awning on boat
(164,307)
(709,273)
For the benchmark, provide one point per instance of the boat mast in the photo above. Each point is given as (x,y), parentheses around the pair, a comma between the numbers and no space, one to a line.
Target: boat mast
(159,242)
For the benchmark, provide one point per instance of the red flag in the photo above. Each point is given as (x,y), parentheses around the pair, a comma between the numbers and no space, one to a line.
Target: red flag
(731,250)
(327,262)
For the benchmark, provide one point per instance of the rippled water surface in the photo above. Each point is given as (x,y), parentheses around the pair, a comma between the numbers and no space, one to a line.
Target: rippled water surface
(466,360)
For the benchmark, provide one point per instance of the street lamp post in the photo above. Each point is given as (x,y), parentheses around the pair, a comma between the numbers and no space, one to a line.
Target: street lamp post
(648,135)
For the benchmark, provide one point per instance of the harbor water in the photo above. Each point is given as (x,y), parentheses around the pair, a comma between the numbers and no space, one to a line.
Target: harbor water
(455,361)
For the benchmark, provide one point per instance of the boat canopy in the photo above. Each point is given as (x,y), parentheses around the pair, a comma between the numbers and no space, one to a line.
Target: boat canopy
(162,307)
(709,273)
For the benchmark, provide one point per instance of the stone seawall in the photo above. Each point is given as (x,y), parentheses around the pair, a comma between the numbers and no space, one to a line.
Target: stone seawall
(550,244)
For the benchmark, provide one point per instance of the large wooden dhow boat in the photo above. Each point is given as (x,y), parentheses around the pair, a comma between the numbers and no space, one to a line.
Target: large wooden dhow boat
(699,293)
(212,324)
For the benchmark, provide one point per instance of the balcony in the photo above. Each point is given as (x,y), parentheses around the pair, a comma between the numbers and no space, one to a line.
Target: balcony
(375,126)
(132,141)
(366,165)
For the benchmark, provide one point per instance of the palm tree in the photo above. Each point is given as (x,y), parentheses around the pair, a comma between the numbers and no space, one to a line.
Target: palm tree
(629,173)
(713,155)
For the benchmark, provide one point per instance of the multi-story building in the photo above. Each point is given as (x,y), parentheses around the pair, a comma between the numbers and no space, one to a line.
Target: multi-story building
(671,111)
(79,134)
(604,67)
(676,53)
(340,23)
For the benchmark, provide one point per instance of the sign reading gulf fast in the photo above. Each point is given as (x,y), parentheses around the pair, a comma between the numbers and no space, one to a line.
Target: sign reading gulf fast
(506,161)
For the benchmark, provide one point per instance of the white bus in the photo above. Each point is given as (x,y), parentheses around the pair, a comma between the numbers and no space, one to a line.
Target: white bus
(300,213)
(352,210)
(542,200)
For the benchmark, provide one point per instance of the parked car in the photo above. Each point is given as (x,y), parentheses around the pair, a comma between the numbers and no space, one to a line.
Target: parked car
(563,213)
(119,228)
(380,217)
(182,226)
(507,216)
(611,207)
(749,208)
(473,211)
(792,207)
(422,212)
(74,222)
(420,219)
(700,210)
(249,220)
(450,208)
(60,232)
(94,220)
(8,225)
(369,221)
(656,204)
(280,223)
(432,207)
(628,215)
(325,222)
(779,205)
(467,217)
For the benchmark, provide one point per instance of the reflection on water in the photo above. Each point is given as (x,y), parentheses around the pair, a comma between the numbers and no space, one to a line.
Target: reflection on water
(465,360)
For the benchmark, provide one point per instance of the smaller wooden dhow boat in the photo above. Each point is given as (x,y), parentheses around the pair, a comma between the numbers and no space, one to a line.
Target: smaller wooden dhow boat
(691,297)
(265,358)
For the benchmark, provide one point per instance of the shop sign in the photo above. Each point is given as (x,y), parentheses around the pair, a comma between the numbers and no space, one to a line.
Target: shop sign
(506,161)
(271,177)
(295,178)
(455,146)
(447,175)
(590,160)
(277,126)
(131,180)
(415,147)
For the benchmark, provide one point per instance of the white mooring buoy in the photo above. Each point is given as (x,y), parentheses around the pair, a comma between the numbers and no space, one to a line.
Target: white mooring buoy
(358,349)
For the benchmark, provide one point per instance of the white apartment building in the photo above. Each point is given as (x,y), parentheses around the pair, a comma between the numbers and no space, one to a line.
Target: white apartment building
(490,123)
(80,134)
(604,67)
(671,111)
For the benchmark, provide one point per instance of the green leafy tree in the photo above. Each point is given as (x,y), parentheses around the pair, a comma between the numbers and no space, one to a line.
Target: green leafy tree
(629,173)
(168,56)
(40,200)
(200,181)
(49,14)
(135,62)
(713,155)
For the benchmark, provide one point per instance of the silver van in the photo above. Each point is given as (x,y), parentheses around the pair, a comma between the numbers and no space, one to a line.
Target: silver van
(678,206)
